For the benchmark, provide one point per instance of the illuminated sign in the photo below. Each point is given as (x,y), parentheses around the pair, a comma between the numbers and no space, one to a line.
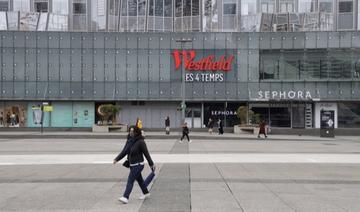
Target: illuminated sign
(284,95)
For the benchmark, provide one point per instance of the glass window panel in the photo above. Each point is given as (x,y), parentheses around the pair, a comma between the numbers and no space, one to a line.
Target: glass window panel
(248,7)
(271,8)
(229,9)
(348,114)
(4,6)
(325,6)
(22,5)
(132,7)
(28,21)
(79,8)
(42,22)
(41,7)
(114,7)
(345,7)
(195,7)
(58,22)
(3,24)
(141,7)
(151,7)
(187,8)
(124,8)
(159,8)
(168,8)
(60,7)
(178,8)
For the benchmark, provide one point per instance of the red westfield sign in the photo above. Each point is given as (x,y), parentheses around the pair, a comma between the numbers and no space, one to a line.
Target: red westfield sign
(205,64)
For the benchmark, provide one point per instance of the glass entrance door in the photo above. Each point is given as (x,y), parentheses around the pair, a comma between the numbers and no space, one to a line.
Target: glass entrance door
(193,116)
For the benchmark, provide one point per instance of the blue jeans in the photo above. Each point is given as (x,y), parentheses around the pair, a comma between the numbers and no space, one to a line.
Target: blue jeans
(135,174)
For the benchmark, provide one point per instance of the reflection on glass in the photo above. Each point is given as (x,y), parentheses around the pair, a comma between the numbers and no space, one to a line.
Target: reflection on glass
(326,6)
(28,21)
(3,24)
(248,7)
(58,22)
(60,7)
(22,5)
(4,6)
(42,22)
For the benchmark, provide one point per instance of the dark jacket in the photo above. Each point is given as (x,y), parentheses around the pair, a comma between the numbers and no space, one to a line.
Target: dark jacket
(211,124)
(135,148)
(185,130)
(167,122)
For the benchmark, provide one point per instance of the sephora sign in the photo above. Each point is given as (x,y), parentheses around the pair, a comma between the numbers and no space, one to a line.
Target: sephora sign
(207,69)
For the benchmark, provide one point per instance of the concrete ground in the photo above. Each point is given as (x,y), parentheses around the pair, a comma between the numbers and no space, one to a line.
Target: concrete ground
(280,174)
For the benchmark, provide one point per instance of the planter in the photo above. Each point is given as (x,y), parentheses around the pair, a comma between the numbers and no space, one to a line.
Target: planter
(246,129)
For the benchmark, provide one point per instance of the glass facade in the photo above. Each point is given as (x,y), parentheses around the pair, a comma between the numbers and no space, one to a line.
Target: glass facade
(311,64)
(349,114)
(186,15)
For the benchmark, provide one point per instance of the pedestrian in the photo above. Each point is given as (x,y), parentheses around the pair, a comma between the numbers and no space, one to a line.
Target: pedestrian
(8,120)
(185,132)
(210,125)
(1,119)
(136,149)
(221,127)
(262,130)
(167,125)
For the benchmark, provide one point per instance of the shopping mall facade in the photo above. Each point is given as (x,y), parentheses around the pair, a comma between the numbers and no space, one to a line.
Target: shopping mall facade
(284,59)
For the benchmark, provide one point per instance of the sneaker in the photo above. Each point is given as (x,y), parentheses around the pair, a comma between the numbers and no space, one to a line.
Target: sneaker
(123,200)
(258,136)
(190,141)
(144,196)
(181,141)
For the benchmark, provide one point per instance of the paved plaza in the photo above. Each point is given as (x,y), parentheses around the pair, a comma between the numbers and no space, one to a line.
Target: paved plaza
(213,173)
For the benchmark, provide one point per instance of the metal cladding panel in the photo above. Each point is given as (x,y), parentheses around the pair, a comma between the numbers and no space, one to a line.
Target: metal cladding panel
(120,92)
(120,64)
(209,90)
(64,40)
(165,41)
(322,91)
(54,63)
(209,41)
(30,40)
(87,65)
(265,40)
(42,64)
(120,40)
(131,88)
(198,41)
(253,89)
(53,90)
(143,41)
(311,87)
(109,64)
(189,91)
(243,41)
(345,90)
(175,91)
(98,65)
(54,40)
(220,41)
(154,42)
(333,39)
(143,88)
(99,90)
(198,91)
(65,61)
(131,41)
(345,39)
(310,40)
(355,90)
(87,40)
(265,86)
(76,65)
(19,39)
(355,39)
(65,90)
(165,90)
(110,41)
(231,42)
(287,40)
(253,65)
(19,64)
(131,65)
(276,41)
(8,64)
(109,90)
(154,90)
(333,90)
(30,64)
(253,41)
(98,39)
(242,90)
(242,69)
(42,89)
(19,90)
(42,40)
(299,40)
(7,39)
(231,90)
(143,65)
(322,40)
(299,86)
(30,90)
(75,40)
(88,90)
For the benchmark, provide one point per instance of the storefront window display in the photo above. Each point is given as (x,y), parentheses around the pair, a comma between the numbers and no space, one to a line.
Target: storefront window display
(13,114)
(349,114)
(226,112)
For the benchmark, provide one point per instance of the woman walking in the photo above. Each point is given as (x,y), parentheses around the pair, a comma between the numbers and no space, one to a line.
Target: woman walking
(221,127)
(135,148)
